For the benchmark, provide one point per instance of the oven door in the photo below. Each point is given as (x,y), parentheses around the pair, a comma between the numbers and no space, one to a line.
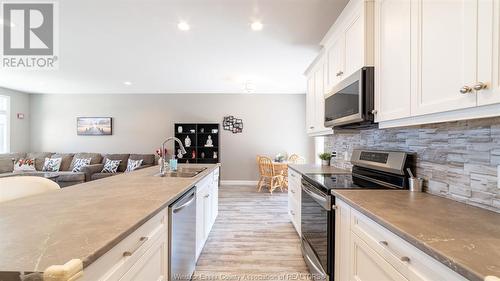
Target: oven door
(315,224)
(344,104)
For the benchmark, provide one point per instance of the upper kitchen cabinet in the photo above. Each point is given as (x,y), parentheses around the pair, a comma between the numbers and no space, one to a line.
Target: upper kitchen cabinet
(349,42)
(393,59)
(447,56)
(436,61)
(315,101)
(489,52)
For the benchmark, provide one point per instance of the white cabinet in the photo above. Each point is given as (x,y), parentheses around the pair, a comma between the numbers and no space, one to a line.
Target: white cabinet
(315,100)
(294,197)
(393,59)
(143,255)
(447,56)
(349,42)
(489,51)
(436,61)
(206,208)
(367,265)
(375,253)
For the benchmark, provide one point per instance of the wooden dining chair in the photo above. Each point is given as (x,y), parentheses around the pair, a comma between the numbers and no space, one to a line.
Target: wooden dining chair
(261,178)
(269,175)
(296,159)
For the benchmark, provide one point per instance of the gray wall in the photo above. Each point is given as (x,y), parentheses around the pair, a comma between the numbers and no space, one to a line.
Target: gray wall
(459,160)
(272,124)
(19,128)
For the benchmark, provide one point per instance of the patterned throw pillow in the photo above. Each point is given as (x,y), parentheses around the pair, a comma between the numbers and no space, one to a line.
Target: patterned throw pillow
(133,164)
(52,164)
(80,163)
(111,166)
(25,165)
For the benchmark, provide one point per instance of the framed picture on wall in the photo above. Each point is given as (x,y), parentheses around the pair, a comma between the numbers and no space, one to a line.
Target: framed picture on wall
(94,126)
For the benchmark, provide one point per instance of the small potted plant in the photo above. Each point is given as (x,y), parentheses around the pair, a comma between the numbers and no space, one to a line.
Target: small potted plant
(325,158)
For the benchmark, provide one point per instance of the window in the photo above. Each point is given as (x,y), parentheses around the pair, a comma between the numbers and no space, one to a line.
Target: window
(4,124)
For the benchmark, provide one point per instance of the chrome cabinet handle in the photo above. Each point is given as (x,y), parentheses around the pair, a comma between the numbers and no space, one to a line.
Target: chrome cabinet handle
(142,240)
(384,243)
(465,90)
(339,73)
(374,111)
(312,127)
(208,195)
(334,207)
(292,191)
(292,213)
(480,86)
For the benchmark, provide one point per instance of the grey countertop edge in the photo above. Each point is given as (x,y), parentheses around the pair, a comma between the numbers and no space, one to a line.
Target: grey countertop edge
(453,265)
(100,252)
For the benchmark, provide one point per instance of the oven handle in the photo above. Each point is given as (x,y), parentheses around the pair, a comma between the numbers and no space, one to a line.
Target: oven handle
(313,263)
(324,201)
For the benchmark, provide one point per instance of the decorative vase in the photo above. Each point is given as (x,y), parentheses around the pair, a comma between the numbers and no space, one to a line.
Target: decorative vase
(179,129)
(215,155)
(325,162)
(187,141)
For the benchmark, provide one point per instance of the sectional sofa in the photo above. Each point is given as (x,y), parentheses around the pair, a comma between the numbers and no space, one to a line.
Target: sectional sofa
(65,175)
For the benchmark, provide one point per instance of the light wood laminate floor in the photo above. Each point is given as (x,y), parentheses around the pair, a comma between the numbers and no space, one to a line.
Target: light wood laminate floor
(252,239)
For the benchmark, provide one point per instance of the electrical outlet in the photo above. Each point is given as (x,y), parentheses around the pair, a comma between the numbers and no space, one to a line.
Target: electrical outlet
(334,154)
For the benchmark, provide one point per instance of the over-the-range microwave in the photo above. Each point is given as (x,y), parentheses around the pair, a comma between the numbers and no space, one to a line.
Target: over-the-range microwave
(350,104)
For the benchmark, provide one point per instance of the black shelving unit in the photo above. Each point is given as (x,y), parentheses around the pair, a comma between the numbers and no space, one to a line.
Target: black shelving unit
(198,133)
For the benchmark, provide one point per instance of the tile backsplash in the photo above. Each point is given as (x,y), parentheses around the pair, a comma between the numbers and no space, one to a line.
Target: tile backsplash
(458,160)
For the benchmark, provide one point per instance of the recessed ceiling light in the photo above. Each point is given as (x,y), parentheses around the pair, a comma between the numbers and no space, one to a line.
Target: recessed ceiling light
(184,26)
(127,83)
(256,26)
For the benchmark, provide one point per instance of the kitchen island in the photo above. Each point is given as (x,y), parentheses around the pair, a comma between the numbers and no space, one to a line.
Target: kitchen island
(84,222)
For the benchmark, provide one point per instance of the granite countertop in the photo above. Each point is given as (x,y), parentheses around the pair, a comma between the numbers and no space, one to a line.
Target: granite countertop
(317,169)
(83,221)
(464,238)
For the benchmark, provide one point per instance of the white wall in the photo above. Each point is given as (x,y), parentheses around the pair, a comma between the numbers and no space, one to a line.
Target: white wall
(19,128)
(272,124)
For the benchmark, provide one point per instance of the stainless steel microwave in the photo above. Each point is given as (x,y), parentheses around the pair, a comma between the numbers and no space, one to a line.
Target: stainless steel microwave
(350,105)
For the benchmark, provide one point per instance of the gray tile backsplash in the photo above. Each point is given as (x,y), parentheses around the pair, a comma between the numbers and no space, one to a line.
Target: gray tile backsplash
(458,160)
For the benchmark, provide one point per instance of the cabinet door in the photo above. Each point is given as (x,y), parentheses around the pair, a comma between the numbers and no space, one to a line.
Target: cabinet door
(354,45)
(447,55)
(393,59)
(214,204)
(489,51)
(319,91)
(367,265)
(310,100)
(207,213)
(152,265)
(335,62)
(342,240)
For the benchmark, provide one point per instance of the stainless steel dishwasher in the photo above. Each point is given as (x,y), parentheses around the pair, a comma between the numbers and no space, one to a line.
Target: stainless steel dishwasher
(182,236)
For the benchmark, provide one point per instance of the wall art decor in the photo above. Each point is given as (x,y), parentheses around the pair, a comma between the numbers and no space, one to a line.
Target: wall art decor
(94,126)
(232,124)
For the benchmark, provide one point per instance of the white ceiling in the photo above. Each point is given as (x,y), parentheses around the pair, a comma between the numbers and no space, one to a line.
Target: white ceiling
(104,43)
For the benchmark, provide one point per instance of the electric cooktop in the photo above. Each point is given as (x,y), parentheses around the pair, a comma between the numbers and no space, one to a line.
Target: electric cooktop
(342,181)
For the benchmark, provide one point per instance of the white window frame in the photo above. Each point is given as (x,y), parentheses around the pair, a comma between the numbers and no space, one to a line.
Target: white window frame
(7,115)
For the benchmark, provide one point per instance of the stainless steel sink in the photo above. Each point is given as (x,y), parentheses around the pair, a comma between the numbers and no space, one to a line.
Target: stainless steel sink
(182,172)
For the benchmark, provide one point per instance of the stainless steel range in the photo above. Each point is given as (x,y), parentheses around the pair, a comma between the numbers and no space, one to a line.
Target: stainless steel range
(371,170)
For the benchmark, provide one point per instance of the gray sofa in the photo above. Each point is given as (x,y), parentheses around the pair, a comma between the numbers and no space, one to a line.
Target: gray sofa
(65,175)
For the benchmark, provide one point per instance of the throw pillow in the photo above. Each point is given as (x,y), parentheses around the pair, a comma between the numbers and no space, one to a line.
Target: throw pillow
(133,164)
(111,166)
(25,165)
(80,163)
(52,164)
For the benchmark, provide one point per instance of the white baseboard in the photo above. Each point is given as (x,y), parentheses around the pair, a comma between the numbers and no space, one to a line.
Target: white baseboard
(238,182)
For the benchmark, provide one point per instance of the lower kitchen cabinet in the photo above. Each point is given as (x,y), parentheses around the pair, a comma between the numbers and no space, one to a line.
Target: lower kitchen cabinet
(294,194)
(365,250)
(207,208)
(143,255)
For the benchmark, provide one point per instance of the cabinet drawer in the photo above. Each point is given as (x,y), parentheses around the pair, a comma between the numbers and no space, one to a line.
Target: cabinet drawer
(117,261)
(294,213)
(404,257)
